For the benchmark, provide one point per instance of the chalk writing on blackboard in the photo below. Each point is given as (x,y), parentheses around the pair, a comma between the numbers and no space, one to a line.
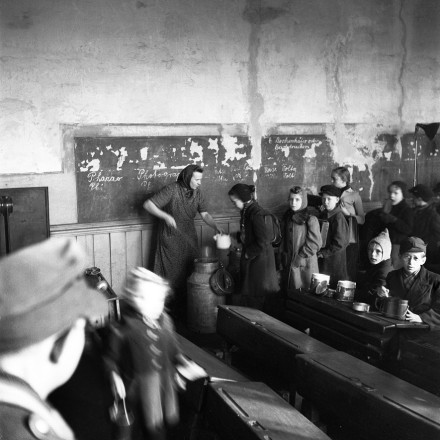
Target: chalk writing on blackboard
(115,176)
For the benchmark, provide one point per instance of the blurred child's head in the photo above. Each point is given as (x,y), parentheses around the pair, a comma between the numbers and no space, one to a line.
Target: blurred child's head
(340,177)
(379,248)
(330,196)
(413,254)
(397,191)
(297,198)
(146,292)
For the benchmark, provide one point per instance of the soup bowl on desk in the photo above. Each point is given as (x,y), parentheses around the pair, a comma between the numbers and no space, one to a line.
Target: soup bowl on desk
(361,307)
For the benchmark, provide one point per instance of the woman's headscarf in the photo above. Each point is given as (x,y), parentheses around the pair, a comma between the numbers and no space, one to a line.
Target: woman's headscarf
(185,176)
(242,191)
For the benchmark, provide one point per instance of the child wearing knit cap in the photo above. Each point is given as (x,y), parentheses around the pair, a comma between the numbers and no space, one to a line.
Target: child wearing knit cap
(395,215)
(144,356)
(379,256)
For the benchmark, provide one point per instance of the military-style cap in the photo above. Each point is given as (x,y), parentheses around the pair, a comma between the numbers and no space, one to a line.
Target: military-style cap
(43,292)
(412,244)
(330,190)
(422,191)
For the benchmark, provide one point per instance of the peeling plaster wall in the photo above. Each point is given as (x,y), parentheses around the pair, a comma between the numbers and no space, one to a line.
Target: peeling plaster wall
(257,62)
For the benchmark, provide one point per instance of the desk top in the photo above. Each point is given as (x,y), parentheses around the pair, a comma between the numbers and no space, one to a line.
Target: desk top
(273,334)
(370,321)
(361,378)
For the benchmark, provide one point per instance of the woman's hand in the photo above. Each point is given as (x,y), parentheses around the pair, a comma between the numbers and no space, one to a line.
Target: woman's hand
(412,317)
(118,385)
(220,231)
(169,220)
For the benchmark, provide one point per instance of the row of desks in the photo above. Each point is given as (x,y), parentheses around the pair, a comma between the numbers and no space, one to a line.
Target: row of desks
(365,400)
(239,408)
(368,335)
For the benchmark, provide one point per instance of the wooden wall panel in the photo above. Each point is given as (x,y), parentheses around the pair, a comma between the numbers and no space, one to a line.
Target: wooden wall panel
(133,248)
(118,260)
(116,248)
(86,242)
(101,243)
(147,249)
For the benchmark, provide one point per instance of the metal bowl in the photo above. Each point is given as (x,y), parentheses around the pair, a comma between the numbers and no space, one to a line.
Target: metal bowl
(361,307)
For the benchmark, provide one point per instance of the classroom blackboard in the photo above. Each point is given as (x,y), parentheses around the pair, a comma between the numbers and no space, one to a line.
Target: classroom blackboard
(288,160)
(115,175)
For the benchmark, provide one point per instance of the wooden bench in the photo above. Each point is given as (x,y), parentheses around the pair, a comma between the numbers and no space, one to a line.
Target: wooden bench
(251,410)
(267,340)
(420,361)
(367,401)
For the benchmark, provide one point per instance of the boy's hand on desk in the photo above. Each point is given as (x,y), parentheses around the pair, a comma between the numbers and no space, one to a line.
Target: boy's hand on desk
(412,317)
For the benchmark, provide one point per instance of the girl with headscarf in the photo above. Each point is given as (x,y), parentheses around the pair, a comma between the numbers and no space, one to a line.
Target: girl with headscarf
(177,205)
(301,242)
(257,266)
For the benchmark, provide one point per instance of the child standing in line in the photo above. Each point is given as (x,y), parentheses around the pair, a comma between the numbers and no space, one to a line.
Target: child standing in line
(352,208)
(350,203)
(398,217)
(257,265)
(301,242)
(143,355)
(332,257)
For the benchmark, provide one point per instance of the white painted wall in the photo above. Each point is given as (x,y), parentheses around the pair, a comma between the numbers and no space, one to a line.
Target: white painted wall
(253,62)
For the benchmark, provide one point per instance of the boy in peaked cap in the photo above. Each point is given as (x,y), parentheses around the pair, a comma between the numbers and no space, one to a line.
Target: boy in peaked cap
(44,303)
(379,256)
(416,284)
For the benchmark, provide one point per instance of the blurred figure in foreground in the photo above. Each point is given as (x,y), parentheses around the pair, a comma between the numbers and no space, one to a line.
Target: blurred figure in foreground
(144,357)
(44,301)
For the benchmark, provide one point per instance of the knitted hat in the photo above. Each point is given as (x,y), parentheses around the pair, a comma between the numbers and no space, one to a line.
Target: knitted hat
(383,240)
